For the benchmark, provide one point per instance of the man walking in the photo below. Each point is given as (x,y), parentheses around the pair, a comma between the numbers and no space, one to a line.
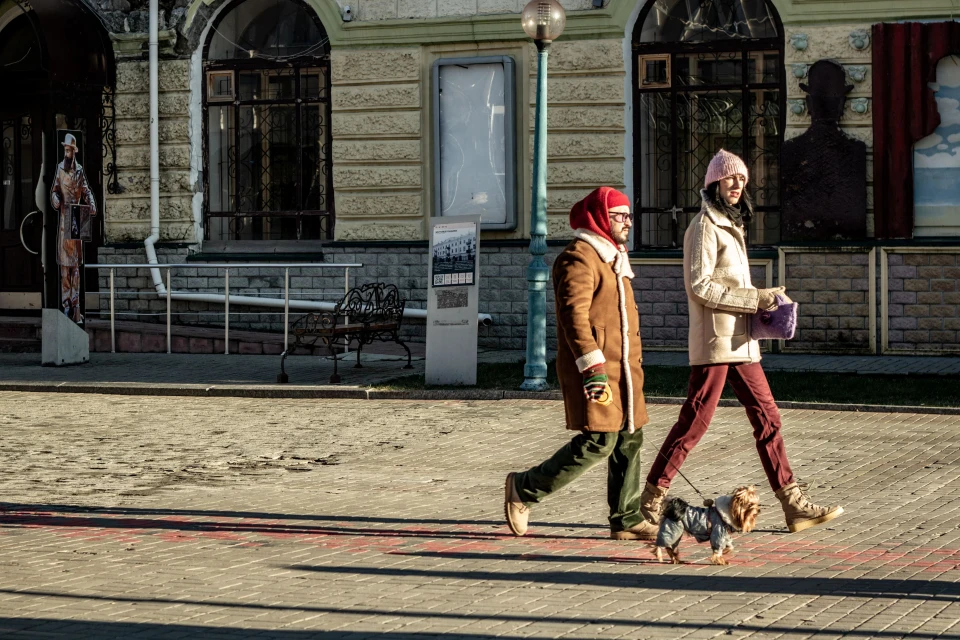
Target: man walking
(598,365)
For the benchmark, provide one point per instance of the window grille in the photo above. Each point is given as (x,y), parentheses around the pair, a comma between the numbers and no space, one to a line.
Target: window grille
(267,125)
(707,75)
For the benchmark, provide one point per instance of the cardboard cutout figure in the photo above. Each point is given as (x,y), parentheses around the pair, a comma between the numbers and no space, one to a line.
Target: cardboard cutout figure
(73,200)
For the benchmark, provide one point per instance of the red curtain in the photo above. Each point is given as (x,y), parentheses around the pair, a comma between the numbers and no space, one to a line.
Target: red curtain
(905,58)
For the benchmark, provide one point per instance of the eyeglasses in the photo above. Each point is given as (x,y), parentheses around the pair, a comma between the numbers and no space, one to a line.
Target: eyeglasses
(621,217)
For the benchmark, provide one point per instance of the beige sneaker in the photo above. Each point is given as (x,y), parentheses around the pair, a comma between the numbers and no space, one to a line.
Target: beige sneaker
(646,531)
(800,513)
(517,513)
(651,502)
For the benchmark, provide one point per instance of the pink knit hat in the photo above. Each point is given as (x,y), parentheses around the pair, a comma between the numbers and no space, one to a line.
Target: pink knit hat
(724,164)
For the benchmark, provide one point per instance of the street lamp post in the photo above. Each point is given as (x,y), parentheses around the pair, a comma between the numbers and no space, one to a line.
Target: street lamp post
(543,20)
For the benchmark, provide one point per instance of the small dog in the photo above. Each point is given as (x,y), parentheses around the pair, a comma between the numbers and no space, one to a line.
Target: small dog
(735,512)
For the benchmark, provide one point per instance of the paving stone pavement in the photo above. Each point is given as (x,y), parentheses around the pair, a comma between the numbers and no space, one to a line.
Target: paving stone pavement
(149,517)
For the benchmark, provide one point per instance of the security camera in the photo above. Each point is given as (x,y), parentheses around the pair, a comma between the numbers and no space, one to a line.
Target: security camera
(347,13)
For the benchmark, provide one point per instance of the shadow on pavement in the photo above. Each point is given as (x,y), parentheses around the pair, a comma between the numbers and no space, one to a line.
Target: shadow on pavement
(844,587)
(47,509)
(49,517)
(72,629)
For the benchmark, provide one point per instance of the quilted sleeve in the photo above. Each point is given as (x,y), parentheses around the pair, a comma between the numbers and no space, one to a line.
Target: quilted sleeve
(702,245)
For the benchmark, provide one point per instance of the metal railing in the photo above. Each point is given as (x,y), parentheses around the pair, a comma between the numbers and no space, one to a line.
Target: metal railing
(205,296)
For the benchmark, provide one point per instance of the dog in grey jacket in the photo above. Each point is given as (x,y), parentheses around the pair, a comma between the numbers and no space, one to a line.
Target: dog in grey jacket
(728,514)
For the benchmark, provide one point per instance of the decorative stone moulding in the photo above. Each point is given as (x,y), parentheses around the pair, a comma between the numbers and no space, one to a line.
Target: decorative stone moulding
(859,39)
(857,73)
(860,105)
(800,70)
(798,107)
(799,41)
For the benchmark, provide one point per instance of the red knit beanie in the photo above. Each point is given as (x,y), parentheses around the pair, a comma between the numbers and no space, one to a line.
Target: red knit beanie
(593,212)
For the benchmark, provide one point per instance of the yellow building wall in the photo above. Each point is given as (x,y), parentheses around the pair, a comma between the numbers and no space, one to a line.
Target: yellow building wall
(127,214)
(383,128)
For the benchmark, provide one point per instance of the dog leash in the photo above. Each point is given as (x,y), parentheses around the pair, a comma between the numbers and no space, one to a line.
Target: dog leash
(707,502)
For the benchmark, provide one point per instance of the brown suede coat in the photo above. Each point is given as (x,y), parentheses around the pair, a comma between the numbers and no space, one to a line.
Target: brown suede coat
(589,319)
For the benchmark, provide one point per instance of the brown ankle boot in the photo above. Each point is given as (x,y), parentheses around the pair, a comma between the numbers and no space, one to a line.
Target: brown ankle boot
(800,512)
(651,502)
(644,530)
(517,513)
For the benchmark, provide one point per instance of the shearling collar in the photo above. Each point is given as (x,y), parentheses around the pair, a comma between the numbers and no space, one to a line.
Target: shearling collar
(717,217)
(607,251)
(723,504)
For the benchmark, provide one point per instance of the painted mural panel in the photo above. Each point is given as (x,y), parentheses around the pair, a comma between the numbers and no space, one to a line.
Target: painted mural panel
(936,160)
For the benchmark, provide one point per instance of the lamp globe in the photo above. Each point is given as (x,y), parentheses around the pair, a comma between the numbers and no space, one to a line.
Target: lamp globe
(543,19)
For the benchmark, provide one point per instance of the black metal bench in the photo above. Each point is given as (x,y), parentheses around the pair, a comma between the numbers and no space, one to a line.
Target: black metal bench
(365,314)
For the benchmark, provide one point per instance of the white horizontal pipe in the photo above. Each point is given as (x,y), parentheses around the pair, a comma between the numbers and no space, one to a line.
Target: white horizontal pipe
(225,265)
(484,319)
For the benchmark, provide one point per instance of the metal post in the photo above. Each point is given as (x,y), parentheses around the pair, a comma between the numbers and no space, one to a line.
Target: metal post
(169,343)
(286,309)
(346,319)
(535,369)
(226,312)
(113,333)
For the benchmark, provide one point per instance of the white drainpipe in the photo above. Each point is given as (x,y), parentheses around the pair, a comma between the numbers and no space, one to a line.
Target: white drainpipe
(483,319)
(154,47)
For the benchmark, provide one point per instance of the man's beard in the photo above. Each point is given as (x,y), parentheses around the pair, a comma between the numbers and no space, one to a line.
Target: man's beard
(622,238)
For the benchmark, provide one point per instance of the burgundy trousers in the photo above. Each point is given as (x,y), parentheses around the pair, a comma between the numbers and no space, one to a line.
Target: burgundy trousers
(703,394)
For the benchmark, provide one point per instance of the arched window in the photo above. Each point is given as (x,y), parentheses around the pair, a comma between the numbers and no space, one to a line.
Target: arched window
(708,74)
(267,103)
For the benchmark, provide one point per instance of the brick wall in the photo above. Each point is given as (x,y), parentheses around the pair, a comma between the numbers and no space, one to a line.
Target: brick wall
(503,289)
(924,302)
(658,289)
(662,302)
(833,291)
(831,287)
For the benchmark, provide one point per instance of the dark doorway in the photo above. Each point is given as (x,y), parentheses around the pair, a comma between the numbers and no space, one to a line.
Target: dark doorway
(21,222)
(58,56)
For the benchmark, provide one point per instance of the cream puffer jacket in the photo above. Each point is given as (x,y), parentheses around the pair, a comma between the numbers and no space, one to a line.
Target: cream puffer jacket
(720,296)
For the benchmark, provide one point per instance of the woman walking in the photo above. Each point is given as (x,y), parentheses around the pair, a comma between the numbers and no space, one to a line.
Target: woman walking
(721,300)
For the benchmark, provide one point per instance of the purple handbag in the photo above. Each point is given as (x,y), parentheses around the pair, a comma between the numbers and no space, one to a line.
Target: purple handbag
(778,324)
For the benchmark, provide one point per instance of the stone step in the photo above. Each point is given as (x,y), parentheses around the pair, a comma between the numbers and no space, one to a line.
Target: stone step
(19,345)
(19,335)
(19,332)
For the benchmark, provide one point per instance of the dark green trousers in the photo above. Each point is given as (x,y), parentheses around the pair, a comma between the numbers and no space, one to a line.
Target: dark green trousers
(624,481)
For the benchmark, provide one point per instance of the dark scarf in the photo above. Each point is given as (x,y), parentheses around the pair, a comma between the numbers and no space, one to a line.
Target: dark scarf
(740,214)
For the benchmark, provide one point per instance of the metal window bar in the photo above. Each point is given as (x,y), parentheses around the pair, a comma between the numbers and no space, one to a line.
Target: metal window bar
(747,86)
(252,205)
(226,312)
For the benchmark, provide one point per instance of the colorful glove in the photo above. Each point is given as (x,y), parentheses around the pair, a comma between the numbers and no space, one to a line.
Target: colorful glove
(594,382)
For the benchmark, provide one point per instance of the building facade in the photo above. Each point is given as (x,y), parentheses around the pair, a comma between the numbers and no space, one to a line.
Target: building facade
(329,131)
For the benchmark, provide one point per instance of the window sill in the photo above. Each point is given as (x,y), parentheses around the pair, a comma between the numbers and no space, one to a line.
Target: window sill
(262,251)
